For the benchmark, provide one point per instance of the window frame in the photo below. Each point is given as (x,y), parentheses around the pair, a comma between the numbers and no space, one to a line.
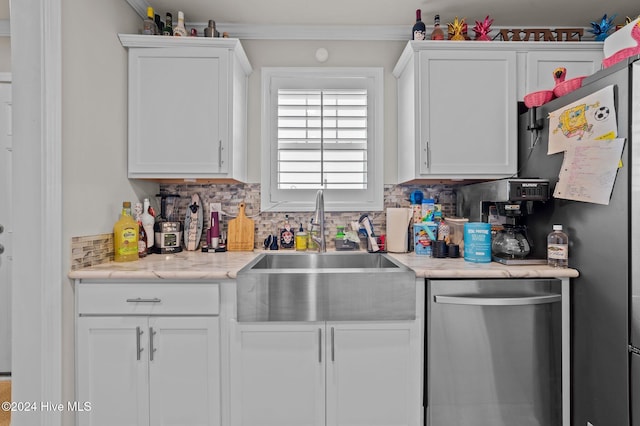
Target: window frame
(290,200)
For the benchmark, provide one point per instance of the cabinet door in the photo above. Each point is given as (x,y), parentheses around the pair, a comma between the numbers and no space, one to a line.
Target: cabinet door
(468,113)
(178,119)
(112,371)
(541,64)
(373,374)
(184,371)
(277,374)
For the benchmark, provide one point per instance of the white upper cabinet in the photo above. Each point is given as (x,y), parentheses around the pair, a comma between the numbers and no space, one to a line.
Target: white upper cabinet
(458,102)
(583,59)
(187,108)
(457,111)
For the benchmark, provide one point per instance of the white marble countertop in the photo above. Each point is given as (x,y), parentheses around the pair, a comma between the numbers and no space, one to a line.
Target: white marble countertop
(216,266)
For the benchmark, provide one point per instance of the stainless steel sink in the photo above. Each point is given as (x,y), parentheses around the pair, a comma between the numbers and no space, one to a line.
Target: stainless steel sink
(325,287)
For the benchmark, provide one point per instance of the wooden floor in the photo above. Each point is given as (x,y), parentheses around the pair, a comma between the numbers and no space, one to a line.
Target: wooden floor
(5,395)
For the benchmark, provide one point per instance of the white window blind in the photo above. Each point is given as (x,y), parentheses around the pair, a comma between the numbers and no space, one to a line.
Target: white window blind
(322,129)
(322,139)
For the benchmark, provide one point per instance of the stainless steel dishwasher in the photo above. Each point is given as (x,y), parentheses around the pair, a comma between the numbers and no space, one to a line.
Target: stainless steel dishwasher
(493,353)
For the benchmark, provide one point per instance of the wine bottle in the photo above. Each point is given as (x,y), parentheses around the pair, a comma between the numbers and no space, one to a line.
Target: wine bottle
(149,23)
(159,24)
(180,30)
(437,33)
(168,25)
(419,31)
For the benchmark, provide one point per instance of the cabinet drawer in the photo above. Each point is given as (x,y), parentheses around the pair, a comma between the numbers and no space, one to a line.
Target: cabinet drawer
(148,299)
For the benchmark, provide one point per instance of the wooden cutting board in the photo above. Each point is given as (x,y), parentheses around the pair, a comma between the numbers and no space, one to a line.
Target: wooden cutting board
(240,236)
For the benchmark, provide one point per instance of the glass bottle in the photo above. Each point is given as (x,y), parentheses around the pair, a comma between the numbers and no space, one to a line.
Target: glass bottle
(125,236)
(180,30)
(148,220)
(419,31)
(149,24)
(159,24)
(211,31)
(168,25)
(287,237)
(437,33)
(558,248)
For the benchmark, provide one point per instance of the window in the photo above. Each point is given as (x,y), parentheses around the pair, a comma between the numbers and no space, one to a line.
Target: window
(322,129)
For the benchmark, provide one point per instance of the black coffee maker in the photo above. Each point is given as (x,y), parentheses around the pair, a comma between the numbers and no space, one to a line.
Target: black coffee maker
(504,203)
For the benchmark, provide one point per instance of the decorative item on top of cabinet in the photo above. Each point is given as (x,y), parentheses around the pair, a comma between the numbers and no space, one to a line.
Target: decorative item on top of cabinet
(456,29)
(482,29)
(437,33)
(204,136)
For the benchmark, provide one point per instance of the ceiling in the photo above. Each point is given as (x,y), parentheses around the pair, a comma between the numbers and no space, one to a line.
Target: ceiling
(506,13)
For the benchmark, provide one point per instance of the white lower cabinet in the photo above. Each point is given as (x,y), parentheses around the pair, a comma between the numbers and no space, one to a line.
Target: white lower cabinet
(147,369)
(326,373)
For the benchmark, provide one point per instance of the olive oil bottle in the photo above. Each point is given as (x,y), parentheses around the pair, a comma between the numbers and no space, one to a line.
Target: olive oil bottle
(125,236)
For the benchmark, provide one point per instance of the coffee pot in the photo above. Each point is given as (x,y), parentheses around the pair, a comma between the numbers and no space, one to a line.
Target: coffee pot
(511,242)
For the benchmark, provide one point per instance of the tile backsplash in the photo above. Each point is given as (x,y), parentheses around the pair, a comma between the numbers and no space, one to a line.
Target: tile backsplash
(96,249)
(91,250)
(230,195)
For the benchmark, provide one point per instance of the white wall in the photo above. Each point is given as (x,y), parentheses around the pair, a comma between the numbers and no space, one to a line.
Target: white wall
(94,135)
(268,53)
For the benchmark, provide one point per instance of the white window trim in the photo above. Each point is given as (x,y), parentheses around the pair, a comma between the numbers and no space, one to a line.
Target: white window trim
(304,200)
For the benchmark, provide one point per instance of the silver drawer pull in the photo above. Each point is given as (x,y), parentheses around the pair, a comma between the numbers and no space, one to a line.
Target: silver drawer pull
(141,300)
(498,301)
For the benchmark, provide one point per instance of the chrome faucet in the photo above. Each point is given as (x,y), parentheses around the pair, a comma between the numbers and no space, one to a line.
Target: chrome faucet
(318,221)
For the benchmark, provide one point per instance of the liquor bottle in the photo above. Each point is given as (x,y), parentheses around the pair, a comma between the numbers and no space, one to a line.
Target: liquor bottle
(558,248)
(125,236)
(149,24)
(168,25)
(287,234)
(159,24)
(142,240)
(148,221)
(419,31)
(211,31)
(437,33)
(180,30)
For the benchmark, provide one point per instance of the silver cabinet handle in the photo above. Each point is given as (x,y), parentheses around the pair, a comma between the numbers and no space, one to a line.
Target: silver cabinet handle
(428,155)
(139,349)
(152,350)
(497,301)
(333,345)
(320,345)
(141,300)
(220,148)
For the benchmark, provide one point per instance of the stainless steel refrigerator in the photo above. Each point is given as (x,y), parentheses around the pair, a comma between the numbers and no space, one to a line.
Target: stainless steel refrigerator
(605,248)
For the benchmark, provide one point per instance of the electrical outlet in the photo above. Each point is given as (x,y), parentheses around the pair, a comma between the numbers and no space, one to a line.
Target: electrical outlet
(215,207)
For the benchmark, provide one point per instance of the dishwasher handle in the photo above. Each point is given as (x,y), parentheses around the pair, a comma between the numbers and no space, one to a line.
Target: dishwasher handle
(497,301)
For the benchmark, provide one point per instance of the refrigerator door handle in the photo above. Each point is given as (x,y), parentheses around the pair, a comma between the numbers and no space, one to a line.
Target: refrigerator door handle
(497,301)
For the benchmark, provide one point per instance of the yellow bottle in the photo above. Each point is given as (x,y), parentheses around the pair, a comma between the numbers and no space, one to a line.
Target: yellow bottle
(125,236)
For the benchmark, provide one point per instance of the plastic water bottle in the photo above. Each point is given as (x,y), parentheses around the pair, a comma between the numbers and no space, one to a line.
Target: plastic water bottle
(558,248)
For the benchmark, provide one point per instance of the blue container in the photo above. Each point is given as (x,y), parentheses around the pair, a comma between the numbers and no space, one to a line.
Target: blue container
(477,242)
(424,234)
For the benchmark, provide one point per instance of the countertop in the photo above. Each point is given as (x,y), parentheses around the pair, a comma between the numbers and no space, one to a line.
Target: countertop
(216,266)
